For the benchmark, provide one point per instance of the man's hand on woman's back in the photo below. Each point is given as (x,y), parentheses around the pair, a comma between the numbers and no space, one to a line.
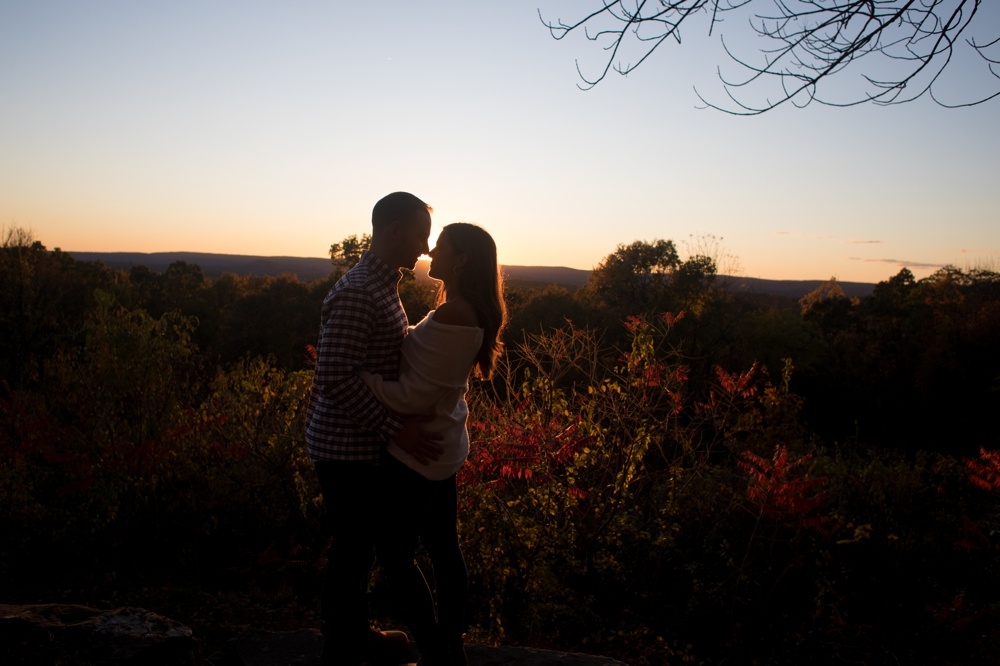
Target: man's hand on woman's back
(424,446)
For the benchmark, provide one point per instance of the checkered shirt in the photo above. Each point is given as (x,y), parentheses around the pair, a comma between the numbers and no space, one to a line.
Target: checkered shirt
(362,327)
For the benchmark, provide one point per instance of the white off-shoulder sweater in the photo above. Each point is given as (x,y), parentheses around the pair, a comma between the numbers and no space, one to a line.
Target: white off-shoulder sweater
(433,379)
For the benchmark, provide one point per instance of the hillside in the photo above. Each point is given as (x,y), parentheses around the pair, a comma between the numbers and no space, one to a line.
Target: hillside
(308,269)
(213,265)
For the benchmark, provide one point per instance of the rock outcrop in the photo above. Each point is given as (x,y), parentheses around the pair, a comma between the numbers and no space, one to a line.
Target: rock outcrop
(64,634)
(70,635)
(302,647)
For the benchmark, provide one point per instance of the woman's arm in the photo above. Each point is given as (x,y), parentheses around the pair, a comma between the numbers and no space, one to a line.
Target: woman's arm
(437,359)
(409,395)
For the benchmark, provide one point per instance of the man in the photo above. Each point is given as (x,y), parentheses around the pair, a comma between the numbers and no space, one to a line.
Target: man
(347,428)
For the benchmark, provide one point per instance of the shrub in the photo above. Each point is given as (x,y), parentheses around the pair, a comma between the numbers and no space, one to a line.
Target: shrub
(610,506)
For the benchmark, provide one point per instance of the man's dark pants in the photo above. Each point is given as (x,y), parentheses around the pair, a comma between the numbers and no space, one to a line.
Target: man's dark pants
(350,497)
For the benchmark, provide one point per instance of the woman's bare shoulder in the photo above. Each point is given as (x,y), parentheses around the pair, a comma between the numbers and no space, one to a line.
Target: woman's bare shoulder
(456,313)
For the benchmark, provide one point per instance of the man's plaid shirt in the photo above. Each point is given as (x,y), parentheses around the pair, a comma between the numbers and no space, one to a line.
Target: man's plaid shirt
(362,328)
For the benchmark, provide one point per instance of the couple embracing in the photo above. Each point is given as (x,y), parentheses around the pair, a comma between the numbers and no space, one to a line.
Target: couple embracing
(386,431)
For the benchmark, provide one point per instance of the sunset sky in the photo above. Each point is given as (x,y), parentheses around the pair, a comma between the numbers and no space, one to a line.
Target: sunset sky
(267,128)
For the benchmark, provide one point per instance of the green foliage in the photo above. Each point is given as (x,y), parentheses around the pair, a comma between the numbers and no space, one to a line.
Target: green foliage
(256,414)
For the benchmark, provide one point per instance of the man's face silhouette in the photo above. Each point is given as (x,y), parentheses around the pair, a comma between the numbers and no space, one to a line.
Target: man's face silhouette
(412,235)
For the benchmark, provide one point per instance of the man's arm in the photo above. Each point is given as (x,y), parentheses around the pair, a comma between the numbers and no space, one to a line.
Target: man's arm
(350,320)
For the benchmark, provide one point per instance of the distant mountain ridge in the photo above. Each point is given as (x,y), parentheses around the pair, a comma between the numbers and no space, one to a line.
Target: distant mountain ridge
(309,269)
(214,265)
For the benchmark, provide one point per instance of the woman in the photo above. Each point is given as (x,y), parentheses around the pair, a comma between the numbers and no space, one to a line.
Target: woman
(460,337)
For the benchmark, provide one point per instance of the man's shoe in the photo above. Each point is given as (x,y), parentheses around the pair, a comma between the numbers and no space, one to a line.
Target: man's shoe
(387,648)
(377,648)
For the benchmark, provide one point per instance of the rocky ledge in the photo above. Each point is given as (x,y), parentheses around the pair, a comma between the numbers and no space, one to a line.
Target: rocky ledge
(64,635)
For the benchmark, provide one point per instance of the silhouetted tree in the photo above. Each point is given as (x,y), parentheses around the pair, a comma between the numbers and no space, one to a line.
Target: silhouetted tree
(892,294)
(648,277)
(346,253)
(691,283)
(826,291)
(890,51)
(635,278)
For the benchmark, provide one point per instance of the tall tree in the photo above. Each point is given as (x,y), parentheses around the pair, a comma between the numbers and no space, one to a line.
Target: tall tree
(635,278)
(347,252)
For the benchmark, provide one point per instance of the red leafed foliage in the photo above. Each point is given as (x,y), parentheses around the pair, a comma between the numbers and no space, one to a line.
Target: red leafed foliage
(781,487)
(985,472)
(737,383)
(521,450)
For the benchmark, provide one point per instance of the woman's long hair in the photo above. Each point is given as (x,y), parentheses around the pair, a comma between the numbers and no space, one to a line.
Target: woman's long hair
(481,284)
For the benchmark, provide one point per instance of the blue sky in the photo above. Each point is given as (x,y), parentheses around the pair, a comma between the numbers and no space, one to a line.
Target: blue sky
(271,128)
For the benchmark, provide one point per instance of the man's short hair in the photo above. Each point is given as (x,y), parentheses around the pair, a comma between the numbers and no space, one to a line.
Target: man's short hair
(394,207)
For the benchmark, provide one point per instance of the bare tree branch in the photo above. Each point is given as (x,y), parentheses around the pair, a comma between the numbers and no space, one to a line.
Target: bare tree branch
(886,51)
